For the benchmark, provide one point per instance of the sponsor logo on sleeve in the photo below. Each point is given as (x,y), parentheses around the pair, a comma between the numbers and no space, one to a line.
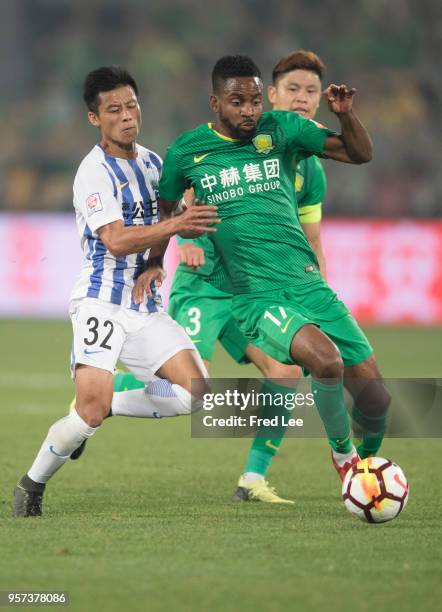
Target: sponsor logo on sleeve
(93,204)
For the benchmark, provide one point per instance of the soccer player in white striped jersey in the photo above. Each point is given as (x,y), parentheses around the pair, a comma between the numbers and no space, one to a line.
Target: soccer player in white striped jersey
(117,210)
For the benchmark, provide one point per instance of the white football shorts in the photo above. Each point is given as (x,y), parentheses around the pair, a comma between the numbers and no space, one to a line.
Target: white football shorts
(105,333)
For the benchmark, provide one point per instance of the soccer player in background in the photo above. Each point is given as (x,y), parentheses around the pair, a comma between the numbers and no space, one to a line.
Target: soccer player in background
(116,205)
(244,164)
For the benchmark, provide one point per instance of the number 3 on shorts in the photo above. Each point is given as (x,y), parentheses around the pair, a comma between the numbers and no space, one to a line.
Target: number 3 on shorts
(96,331)
(194,315)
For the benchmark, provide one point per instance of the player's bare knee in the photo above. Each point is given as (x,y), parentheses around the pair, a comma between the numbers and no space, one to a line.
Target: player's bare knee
(92,419)
(333,368)
(383,400)
(374,399)
(329,363)
(93,411)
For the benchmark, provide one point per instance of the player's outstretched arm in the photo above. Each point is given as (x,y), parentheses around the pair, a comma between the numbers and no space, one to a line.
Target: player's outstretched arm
(122,241)
(186,231)
(353,145)
(167,211)
(190,254)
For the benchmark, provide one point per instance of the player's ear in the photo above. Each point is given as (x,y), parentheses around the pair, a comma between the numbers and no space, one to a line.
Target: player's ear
(214,103)
(271,94)
(93,118)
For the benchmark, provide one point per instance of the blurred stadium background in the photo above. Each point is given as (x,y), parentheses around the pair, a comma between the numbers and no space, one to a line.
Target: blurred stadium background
(388,270)
(383,242)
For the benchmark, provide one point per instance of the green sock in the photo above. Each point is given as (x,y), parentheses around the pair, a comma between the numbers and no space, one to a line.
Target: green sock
(329,401)
(265,447)
(125,381)
(373,430)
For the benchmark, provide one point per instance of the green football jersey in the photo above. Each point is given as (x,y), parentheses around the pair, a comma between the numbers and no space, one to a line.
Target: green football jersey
(310,186)
(260,239)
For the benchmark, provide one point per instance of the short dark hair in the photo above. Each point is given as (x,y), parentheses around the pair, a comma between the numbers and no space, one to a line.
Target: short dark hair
(105,78)
(298,60)
(233,66)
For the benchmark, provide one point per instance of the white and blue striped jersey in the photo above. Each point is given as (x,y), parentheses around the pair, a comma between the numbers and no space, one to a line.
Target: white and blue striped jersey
(108,189)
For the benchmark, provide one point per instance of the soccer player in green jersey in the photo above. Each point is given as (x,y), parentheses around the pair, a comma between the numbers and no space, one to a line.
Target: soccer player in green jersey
(204,308)
(299,72)
(243,164)
(297,87)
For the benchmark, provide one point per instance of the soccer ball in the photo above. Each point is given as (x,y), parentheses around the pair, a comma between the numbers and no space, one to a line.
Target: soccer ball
(375,490)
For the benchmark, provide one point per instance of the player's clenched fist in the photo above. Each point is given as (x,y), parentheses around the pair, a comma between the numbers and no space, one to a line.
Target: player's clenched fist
(191,255)
(196,220)
(339,98)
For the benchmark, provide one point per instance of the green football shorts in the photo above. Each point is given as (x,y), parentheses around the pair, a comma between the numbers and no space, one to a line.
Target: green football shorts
(205,312)
(270,321)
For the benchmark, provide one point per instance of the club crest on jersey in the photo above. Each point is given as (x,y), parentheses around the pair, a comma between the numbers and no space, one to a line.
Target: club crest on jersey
(299,182)
(263,143)
(93,204)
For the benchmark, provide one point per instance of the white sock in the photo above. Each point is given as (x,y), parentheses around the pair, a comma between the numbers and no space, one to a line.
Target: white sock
(63,438)
(252,477)
(342,458)
(158,399)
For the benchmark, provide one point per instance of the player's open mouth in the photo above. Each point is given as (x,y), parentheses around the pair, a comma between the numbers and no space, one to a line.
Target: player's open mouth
(248,125)
(301,111)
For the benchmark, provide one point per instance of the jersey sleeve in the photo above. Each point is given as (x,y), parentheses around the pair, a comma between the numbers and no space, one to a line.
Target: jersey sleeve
(95,196)
(310,207)
(173,182)
(304,136)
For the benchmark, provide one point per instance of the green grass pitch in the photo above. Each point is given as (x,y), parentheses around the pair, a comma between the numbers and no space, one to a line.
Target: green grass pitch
(144,520)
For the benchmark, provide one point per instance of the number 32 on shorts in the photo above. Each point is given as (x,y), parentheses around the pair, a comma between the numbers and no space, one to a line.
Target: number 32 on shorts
(99,330)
